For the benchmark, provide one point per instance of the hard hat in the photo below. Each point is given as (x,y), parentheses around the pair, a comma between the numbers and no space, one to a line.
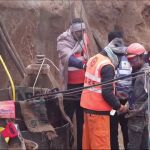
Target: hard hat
(135,49)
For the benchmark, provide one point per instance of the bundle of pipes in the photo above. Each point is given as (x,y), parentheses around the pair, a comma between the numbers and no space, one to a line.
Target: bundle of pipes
(11,49)
(56,92)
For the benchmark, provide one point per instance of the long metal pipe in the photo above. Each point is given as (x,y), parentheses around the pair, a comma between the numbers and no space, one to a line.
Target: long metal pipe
(11,50)
(10,78)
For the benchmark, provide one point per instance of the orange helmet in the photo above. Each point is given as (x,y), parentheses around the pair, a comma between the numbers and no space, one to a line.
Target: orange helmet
(135,49)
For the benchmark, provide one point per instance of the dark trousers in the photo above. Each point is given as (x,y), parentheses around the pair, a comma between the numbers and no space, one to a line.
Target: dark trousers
(114,121)
(138,133)
(71,106)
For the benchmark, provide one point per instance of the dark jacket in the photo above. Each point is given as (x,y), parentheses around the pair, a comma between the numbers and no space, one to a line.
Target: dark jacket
(108,73)
(140,91)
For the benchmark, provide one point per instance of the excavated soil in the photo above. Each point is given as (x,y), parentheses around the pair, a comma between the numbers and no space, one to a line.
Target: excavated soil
(33,26)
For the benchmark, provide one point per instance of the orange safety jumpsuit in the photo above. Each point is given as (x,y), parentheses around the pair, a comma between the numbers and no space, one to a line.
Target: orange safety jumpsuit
(96,128)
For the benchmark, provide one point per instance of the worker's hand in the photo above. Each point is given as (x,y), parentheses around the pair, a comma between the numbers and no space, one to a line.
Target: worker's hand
(123,109)
(121,96)
(132,113)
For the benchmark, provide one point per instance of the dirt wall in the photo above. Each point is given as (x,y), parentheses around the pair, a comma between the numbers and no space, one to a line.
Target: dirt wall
(33,26)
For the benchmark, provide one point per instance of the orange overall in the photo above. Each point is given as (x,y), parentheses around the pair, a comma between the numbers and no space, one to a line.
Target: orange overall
(96,128)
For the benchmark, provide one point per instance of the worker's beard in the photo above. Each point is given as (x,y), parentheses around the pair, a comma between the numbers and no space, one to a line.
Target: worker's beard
(77,38)
(137,67)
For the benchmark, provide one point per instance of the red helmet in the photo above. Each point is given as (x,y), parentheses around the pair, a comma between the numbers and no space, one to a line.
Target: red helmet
(135,49)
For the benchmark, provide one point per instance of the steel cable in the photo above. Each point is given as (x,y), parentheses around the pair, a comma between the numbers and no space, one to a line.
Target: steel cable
(69,95)
(70,91)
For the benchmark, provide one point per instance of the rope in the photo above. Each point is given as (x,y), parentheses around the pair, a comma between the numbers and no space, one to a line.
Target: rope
(53,64)
(38,75)
(40,71)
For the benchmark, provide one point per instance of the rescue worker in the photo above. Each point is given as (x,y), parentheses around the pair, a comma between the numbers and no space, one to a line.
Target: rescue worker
(147,57)
(123,90)
(98,101)
(72,51)
(138,123)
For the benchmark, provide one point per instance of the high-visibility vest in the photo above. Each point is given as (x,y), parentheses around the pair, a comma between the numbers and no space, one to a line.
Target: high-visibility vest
(76,75)
(124,86)
(92,98)
(123,70)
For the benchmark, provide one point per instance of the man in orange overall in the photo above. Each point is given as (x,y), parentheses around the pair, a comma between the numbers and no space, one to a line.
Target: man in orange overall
(98,101)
